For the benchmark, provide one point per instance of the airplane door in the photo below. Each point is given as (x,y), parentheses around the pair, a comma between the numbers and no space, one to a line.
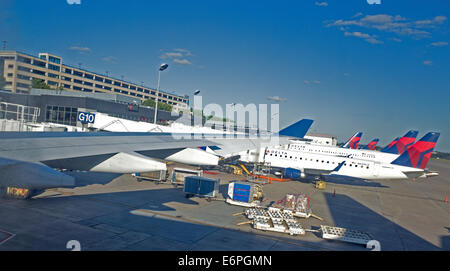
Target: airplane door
(376,168)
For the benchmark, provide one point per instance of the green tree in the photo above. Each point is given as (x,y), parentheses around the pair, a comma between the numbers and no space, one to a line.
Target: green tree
(161,106)
(39,84)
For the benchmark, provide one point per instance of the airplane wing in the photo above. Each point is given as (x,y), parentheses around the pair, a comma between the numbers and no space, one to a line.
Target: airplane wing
(27,154)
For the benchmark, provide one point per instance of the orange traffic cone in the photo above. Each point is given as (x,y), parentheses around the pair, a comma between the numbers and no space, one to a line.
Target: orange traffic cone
(445,199)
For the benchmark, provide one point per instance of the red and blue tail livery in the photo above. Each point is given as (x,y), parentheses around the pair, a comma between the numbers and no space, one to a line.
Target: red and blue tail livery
(419,154)
(403,143)
(372,145)
(390,144)
(353,142)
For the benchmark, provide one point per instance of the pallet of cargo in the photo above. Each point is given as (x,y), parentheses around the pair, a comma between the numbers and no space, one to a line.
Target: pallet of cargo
(274,220)
(346,235)
(243,204)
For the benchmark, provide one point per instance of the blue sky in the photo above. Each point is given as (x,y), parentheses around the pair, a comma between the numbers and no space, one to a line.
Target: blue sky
(381,69)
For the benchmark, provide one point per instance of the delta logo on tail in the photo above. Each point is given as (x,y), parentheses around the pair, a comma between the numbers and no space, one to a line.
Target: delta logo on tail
(403,143)
(390,144)
(353,142)
(372,145)
(419,154)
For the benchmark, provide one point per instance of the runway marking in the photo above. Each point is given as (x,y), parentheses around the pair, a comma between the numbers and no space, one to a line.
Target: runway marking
(8,237)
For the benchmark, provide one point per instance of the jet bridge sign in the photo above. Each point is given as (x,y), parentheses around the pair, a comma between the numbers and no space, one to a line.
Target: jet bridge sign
(84,117)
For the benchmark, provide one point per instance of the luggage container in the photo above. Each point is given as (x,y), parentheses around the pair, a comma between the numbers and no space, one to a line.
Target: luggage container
(201,186)
(179,175)
(156,176)
(244,194)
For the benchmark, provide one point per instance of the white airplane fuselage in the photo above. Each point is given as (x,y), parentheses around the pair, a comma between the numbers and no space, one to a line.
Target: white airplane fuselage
(369,155)
(355,168)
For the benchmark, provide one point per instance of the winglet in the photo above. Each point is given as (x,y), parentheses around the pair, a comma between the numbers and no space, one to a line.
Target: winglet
(298,129)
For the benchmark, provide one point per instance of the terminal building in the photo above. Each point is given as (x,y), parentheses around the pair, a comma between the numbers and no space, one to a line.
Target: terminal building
(19,69)
(63,107)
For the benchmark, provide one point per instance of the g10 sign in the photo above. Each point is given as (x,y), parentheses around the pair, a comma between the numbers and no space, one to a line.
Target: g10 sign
(84,117)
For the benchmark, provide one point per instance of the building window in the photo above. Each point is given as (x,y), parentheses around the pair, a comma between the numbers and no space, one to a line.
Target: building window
(107,81)
(53,67)
(39,63)
(51,83)
(39,72)
(77,81)
(10,66)
(87,90)
(88,76)
(24,59)
(54,59)
(107,88)
(53,75)
(61,115)
(99,79)
(98,86)
(67,78)
(23,77)
(88,84)
(124,85)
(76,88)
(69,71)
(20,68)
(77,73)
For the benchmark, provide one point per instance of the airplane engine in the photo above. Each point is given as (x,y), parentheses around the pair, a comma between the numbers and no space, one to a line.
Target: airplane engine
(292,173)
(23,179)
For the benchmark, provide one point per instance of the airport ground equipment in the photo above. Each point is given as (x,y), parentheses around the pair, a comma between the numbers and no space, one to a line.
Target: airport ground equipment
(273,219)
(244,194)
(319,184)
(179,174)
(201,186)
(235,169)
(346,235)
(298,204)
(156,176)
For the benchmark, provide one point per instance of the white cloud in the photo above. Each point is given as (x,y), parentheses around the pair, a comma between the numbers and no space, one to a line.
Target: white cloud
(374,41)
(111,59)
(316,82)
(182,61)
(80,49)
(306,81)
(171,55)
(321,4)
(366,37)
(393,24)
(439,44)
(428,62)
(276,99)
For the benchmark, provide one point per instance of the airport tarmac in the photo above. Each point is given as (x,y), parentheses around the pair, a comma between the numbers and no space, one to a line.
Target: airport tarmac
(119,213)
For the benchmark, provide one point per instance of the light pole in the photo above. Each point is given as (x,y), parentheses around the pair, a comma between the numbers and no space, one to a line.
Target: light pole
(161,68)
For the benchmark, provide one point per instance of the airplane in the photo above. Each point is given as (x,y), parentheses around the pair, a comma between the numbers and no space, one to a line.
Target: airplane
(393,142)
(370,155)
(402,144)
(411,164)
(353,142)
(372,145)
(31,160)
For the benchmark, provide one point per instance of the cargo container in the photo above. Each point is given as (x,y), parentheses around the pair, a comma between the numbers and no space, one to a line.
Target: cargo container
(201,186)
(179,175)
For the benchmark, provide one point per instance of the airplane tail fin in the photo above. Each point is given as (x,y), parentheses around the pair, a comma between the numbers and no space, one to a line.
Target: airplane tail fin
(372,144)
(353,142)
(417,155)
(390,145)
(403,143)
(298,129)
